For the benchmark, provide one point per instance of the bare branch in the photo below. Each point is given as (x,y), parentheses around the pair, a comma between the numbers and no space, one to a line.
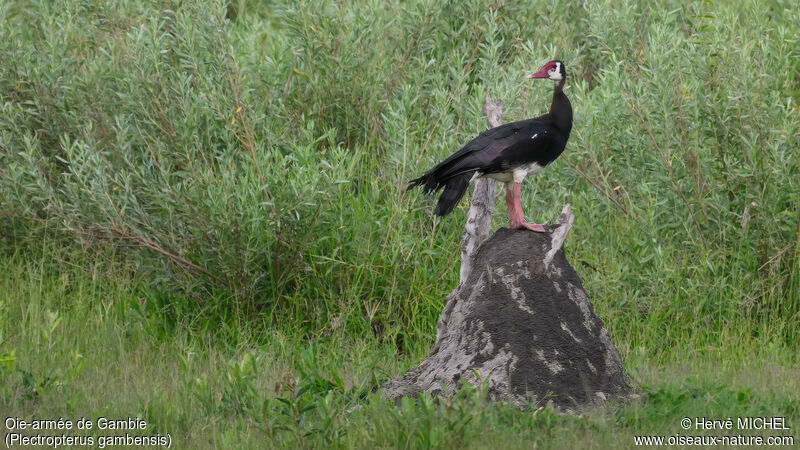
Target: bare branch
(559,235)
(479,217)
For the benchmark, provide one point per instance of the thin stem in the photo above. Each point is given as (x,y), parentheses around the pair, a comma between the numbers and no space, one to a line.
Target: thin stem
(668,166)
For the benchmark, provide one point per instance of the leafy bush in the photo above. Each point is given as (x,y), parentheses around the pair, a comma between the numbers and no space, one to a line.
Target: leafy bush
(254,155)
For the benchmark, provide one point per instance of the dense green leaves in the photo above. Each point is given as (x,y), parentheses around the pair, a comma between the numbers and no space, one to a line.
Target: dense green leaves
(250,159)
(204,218)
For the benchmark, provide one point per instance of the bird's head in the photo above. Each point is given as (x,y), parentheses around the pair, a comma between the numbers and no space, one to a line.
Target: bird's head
(553,70)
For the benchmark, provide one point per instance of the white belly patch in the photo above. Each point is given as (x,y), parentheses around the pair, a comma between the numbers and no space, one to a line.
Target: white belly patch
(515,175)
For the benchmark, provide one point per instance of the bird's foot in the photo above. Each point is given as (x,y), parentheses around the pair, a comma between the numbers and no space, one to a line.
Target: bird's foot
(529,226)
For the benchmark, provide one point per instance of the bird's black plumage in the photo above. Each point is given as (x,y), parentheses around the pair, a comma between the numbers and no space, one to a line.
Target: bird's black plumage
(499,151)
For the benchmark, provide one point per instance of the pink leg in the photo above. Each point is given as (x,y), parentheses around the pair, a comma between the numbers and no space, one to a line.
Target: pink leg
(515,215)
(510,205)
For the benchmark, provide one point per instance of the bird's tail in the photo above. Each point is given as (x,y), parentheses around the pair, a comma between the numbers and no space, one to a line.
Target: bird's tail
(428,181)
(454,189)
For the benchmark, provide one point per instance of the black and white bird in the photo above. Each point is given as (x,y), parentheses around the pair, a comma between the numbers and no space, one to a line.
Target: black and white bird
(507,153)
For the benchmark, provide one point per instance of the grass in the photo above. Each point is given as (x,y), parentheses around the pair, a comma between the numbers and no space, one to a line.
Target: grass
(203,218)
(88,344)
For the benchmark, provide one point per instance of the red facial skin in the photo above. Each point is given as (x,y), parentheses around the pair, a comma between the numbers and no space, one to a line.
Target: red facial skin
(542,73)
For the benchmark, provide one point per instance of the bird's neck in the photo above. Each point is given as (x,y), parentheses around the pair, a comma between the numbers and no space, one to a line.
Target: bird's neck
(561,109)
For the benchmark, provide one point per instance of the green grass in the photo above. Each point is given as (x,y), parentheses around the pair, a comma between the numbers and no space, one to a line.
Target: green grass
(202,201)
(87,344)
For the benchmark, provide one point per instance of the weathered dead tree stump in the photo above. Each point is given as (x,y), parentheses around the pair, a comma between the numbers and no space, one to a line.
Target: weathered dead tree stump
(479,216)
(519,321)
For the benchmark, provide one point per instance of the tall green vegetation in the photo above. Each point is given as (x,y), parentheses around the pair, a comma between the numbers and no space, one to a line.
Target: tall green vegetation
(248,161)
(204,222)
(84,342)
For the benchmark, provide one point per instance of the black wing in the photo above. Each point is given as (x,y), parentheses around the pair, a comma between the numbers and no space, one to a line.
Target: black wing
(537,142)
(497,150)
(480,151)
